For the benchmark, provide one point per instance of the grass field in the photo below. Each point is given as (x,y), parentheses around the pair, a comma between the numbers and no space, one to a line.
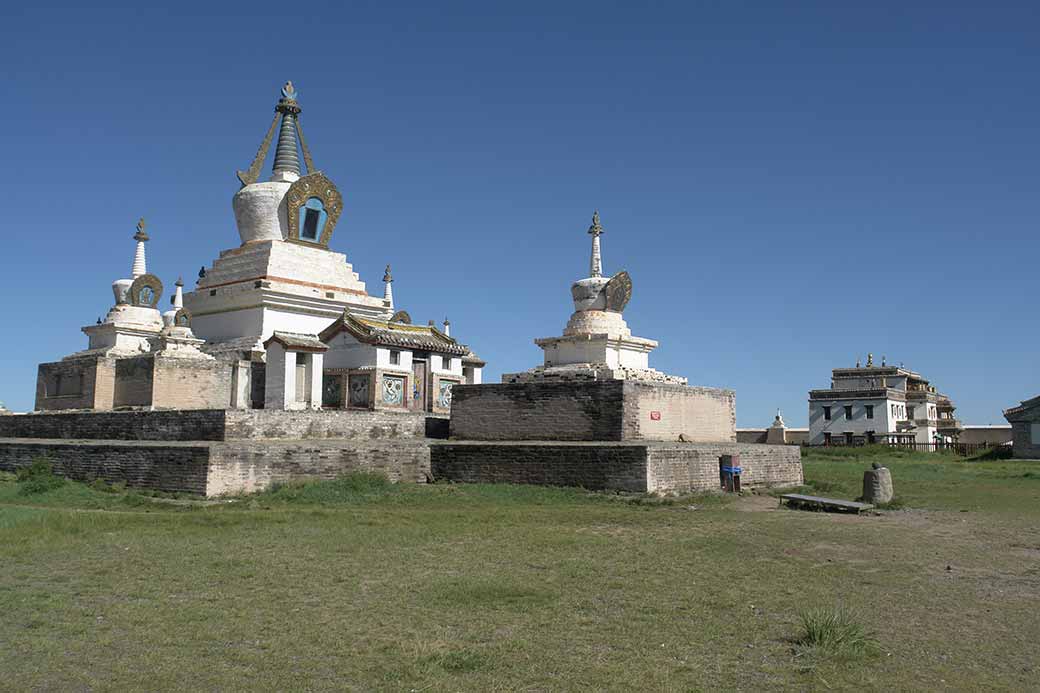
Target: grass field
(362,585)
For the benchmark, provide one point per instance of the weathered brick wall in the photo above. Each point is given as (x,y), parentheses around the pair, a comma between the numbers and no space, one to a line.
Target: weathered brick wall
(1022,440)
(347,424)
(163,467)
(695,466)
(190,384)
(94,375)
(537,411)
(607,466)
(133,385)
(638,467)
(245,467)
(200,424)
(659,411)
(215,424)
(751,435)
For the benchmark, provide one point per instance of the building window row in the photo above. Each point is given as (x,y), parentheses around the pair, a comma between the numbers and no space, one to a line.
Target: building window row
(868,409)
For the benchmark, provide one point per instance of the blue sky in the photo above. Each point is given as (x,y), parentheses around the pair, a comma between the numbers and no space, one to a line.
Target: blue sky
(791,185)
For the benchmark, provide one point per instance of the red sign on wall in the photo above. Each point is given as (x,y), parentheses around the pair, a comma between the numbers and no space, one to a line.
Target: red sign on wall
(655,416)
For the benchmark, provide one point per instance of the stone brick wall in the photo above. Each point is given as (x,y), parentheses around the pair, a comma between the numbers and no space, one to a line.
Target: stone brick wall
(133,384)
(200,424)
(1022,440)
(245,467)
(215,424)
(219,468)
(163,466)
(190,383)
(538,411)
(695,467)
(596,466)
(637,467)
(348,424)
(660,411)
(96,378)
(751,435)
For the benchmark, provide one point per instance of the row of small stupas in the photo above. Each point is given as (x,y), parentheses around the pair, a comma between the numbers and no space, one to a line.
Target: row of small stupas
(281,321)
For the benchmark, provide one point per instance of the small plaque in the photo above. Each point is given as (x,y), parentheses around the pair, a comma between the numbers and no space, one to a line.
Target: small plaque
(655,416)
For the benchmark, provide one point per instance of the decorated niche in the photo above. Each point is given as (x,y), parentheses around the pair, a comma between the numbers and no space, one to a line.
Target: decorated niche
(358,391)
(145,291)
(313,205)
(444,394)
(182,318)
(393,390)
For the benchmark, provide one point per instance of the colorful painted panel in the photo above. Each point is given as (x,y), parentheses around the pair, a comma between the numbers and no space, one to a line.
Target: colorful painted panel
(332,391)
(444,394)
(393,390)
(357,388)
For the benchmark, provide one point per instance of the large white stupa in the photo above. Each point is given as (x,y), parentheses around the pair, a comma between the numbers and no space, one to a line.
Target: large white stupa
(282,277)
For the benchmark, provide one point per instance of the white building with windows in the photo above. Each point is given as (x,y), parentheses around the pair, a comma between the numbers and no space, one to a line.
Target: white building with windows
(880,404)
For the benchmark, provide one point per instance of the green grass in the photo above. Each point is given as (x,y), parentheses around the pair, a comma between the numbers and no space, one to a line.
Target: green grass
(358,584)
(835,632)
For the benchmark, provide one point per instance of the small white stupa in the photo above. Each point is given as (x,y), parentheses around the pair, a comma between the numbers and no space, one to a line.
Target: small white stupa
(133,321)
(596,343)
(176,339)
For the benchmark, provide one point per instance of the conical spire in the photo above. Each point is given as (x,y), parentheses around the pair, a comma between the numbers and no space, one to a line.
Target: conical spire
(286,159)
(140,266)
(178,296)
(596,261)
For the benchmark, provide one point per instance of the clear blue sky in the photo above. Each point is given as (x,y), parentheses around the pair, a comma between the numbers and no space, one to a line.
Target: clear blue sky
(791,185)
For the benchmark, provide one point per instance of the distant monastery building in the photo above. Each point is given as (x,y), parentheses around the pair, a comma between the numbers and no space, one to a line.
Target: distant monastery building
(880,404)
(279,322)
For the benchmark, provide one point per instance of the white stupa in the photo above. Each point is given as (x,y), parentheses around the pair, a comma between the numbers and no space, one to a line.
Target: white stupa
(133,322)
(597,344)
(282,277)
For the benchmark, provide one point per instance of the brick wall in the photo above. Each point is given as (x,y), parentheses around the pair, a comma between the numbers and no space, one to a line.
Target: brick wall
(133,384)
(245,467)
(1022,440)
(638,467)
(190,383)
(350,424)
(695,467)
(596,410)
(659,411)
(607,466)
(200,424)
(95,376)
(214,424)
(538,411)
(163,467)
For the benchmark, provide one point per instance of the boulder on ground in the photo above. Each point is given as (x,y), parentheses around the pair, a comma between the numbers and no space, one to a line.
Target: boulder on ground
(877,485)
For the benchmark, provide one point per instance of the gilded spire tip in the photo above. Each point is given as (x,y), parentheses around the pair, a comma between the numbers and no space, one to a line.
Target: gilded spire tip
(141,234)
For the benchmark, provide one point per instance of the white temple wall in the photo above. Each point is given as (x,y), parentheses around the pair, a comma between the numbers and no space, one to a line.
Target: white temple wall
(284,321)
(217,327)
(383,360)
(276,375)
(346,352)
(455,368)
(633,359)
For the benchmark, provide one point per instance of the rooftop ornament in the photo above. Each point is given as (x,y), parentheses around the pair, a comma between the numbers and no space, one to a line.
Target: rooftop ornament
(286,159)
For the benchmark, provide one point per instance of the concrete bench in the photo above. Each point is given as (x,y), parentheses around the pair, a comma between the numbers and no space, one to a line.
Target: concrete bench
(800,500)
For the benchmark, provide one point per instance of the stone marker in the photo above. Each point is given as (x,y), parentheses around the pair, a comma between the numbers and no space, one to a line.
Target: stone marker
(877,485)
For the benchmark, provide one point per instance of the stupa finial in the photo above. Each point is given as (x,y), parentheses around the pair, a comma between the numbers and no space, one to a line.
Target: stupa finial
(388,289)
(286,159)
(596,261)
(870,360)
(140,265)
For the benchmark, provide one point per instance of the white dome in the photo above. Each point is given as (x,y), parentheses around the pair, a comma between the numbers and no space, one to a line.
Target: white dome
(260,212)
(588,293)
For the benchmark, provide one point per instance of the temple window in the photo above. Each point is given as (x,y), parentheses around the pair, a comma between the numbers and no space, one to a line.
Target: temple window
(848,411)
(312,219)
(827,413)
(870,411)
(395,357)
(446,363)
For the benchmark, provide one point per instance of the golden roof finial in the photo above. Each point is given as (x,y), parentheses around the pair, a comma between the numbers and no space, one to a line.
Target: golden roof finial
(141,235)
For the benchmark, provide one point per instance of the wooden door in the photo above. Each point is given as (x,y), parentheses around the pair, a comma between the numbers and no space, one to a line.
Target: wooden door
(418,385)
